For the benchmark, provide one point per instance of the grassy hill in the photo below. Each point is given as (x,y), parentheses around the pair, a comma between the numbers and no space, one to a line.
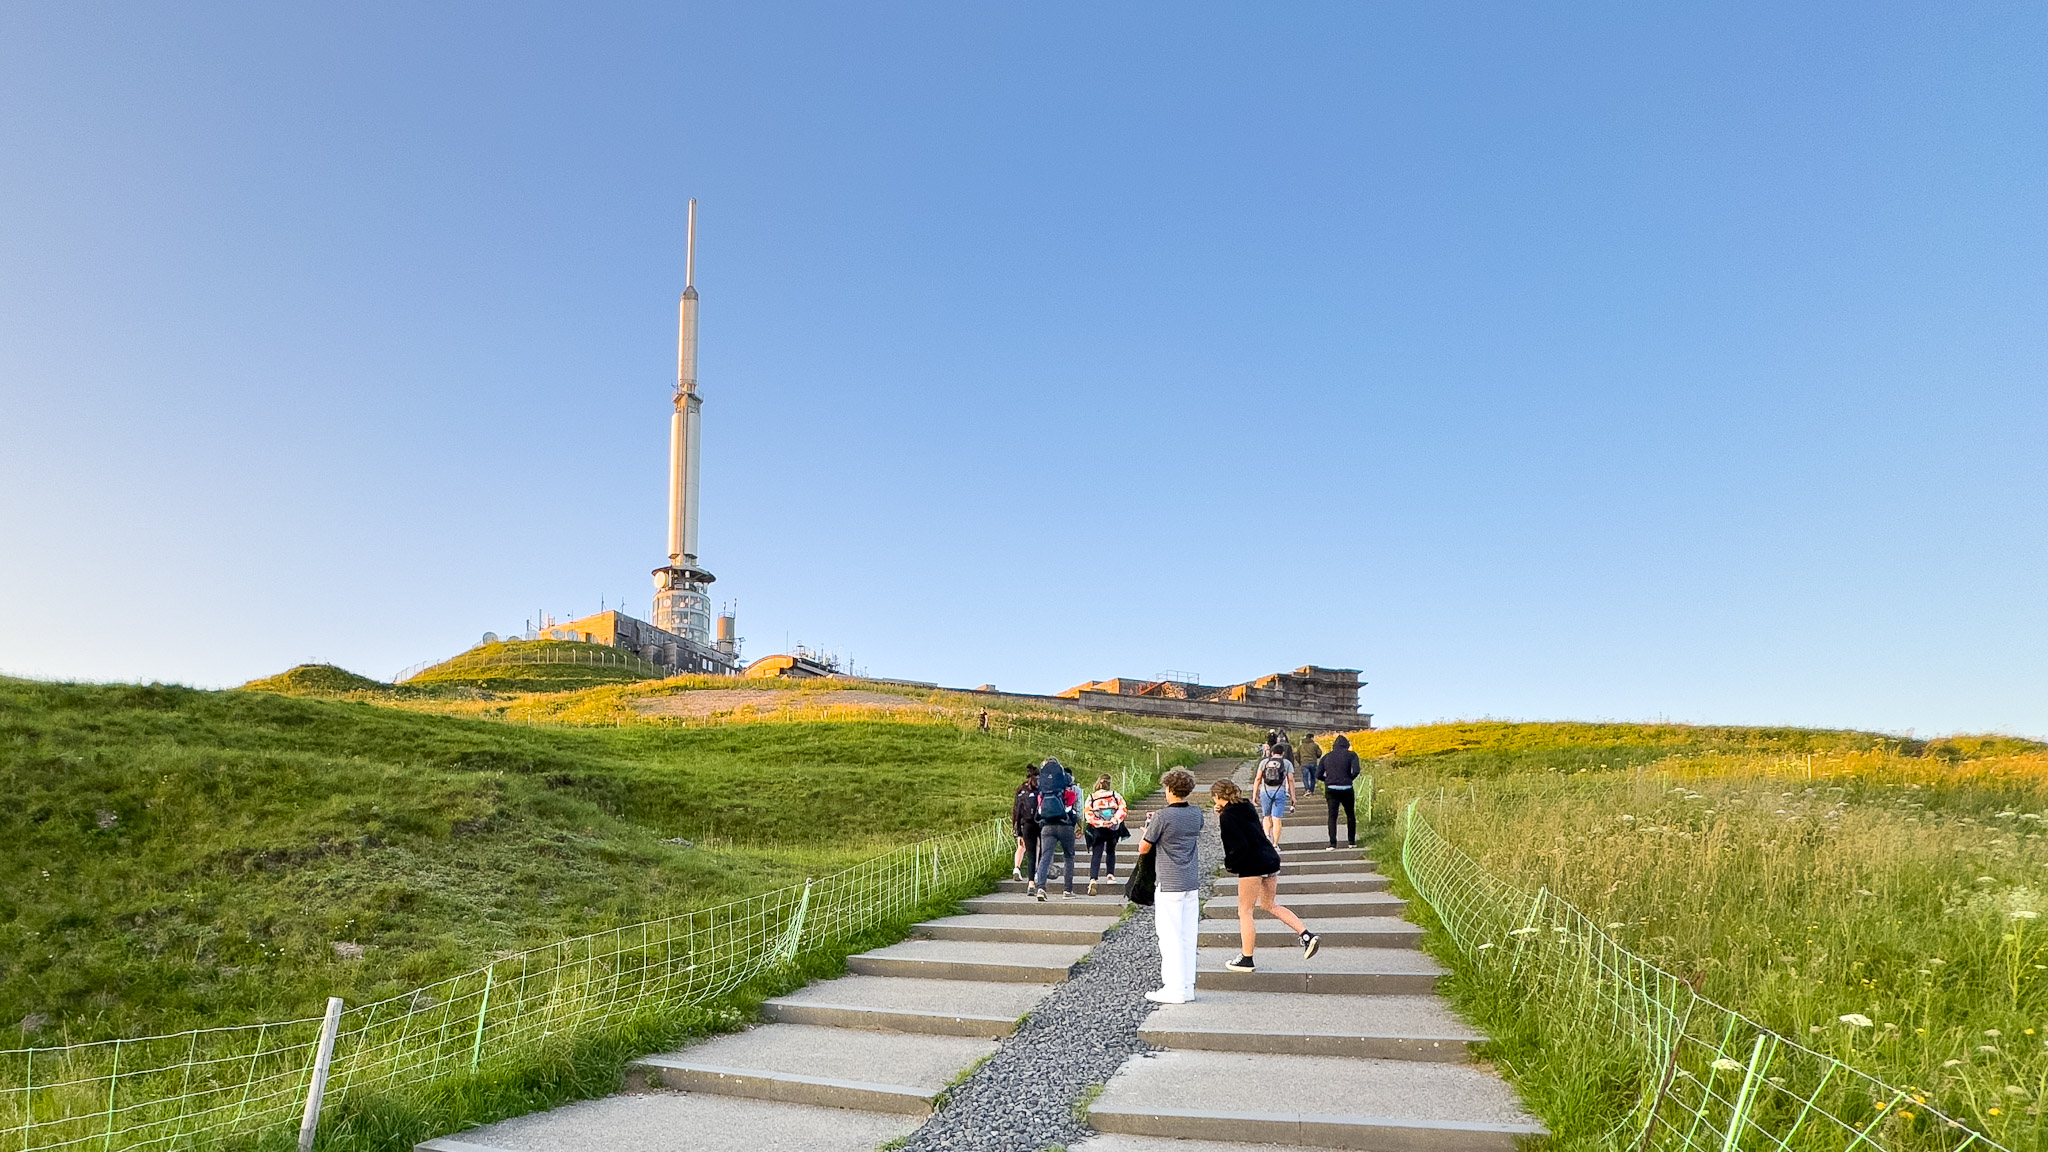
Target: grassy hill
(1808,879)
(536,666)
(176,858)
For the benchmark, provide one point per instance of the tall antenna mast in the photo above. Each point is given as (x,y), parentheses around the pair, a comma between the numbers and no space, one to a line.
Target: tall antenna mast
(690,248)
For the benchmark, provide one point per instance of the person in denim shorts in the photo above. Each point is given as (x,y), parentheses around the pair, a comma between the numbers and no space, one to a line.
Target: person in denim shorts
(1273,791)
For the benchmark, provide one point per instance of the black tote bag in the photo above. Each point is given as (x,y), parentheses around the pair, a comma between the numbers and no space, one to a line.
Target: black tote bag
(1144,878)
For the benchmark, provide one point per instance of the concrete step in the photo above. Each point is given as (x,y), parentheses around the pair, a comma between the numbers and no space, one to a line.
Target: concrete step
(1310,905)
(1304,1024)
(1308,835)
(1323,863)
(1349,855)
(1315,811)
(1382,1105)
(1074,929)
(1117,1142)
(650,1122)
(971,960)
(1336,931)
(1354,881)
(1337,971)
(907,1004)
(1055,886)
(829,1067)
(1018,904)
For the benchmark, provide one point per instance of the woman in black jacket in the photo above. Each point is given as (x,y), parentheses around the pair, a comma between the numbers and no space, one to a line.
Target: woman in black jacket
(1024,822)
(1251,857)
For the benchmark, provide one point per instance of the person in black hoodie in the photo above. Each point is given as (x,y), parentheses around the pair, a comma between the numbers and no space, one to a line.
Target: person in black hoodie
(1249,856)
(1024,822)
(1340,779)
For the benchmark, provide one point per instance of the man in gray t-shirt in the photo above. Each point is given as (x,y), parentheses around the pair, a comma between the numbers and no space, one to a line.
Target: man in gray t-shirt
(1173,837)
(1175,832)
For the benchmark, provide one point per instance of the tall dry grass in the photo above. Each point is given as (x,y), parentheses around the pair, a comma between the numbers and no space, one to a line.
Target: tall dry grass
(1889,909)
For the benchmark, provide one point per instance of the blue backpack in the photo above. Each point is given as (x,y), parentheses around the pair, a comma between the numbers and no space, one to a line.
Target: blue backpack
(1053,784)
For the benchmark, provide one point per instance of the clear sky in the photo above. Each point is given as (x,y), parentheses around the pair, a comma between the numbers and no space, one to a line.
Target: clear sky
(1544,361)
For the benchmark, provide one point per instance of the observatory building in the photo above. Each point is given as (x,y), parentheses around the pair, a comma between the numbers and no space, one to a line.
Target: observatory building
(680,639)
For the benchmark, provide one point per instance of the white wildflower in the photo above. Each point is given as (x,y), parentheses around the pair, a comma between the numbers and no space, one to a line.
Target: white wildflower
(1993,1033)
(1727,1065)
(2026,914)
(1950,1063)
(1520,931)
(1857,1019)
(1484,947)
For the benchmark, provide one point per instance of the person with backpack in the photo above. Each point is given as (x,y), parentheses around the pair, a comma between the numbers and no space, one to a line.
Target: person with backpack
(1274,790)
(1058,804)
(1173,838)
(1250,856)
(1024,822)
(1340,789)
(1310,762)
(1106,811)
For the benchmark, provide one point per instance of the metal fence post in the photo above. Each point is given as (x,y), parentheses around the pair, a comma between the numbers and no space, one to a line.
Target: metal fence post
(792,940)
(1746,1097)
(323,1062)
(476,1046)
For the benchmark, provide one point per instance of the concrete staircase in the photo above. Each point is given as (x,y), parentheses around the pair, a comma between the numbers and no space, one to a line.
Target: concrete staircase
(843,1065)
(1352,1049)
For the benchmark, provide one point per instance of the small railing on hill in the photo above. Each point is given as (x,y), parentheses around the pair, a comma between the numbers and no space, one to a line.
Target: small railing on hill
(1714,1080)
(211,1086)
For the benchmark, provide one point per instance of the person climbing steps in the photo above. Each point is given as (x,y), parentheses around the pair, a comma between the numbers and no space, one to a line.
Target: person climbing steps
(1250,856)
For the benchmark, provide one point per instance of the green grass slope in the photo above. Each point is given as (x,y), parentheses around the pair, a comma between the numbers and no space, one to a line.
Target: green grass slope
(317,680)
(173,858)
(1487,748)
(536,666)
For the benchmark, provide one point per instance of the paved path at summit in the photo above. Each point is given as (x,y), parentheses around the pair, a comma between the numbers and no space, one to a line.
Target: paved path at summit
(1352,1049)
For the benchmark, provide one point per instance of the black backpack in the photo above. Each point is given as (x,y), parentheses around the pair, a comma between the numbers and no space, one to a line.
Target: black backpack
(1273,771)
(1053,783)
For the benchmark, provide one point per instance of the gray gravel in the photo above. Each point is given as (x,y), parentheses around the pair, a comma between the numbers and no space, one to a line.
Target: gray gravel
(1023,1099)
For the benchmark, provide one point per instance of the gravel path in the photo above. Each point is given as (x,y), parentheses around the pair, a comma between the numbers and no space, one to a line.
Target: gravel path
(1024,1098)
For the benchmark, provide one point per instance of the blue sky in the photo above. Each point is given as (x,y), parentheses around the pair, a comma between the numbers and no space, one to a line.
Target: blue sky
(1611,361)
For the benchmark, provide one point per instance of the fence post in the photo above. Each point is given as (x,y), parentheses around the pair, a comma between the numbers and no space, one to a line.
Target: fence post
(323,1062)
(1368,799)
(792,940)
(1744,1098)
(113,1082)
(476,1046)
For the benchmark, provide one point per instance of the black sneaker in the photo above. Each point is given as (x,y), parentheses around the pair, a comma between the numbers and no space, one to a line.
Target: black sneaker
(1241,964)
(1310,944)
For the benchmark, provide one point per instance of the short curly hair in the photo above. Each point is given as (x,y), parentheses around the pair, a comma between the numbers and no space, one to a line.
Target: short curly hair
(1179,782)
(1224,791)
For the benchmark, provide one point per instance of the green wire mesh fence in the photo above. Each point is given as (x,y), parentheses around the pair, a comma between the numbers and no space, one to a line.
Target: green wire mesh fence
(211,1087)
(1711,1079)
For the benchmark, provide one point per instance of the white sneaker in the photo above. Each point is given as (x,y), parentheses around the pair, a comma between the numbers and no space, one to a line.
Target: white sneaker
(1159,996)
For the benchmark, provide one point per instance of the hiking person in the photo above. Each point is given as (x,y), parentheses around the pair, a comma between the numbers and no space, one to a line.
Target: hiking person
(1173,837)
(1310,762)
(1251,857)
(1058,804)
(1024,822)
(984,720)
(1106,811)
(1340,770)
(1274,791)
